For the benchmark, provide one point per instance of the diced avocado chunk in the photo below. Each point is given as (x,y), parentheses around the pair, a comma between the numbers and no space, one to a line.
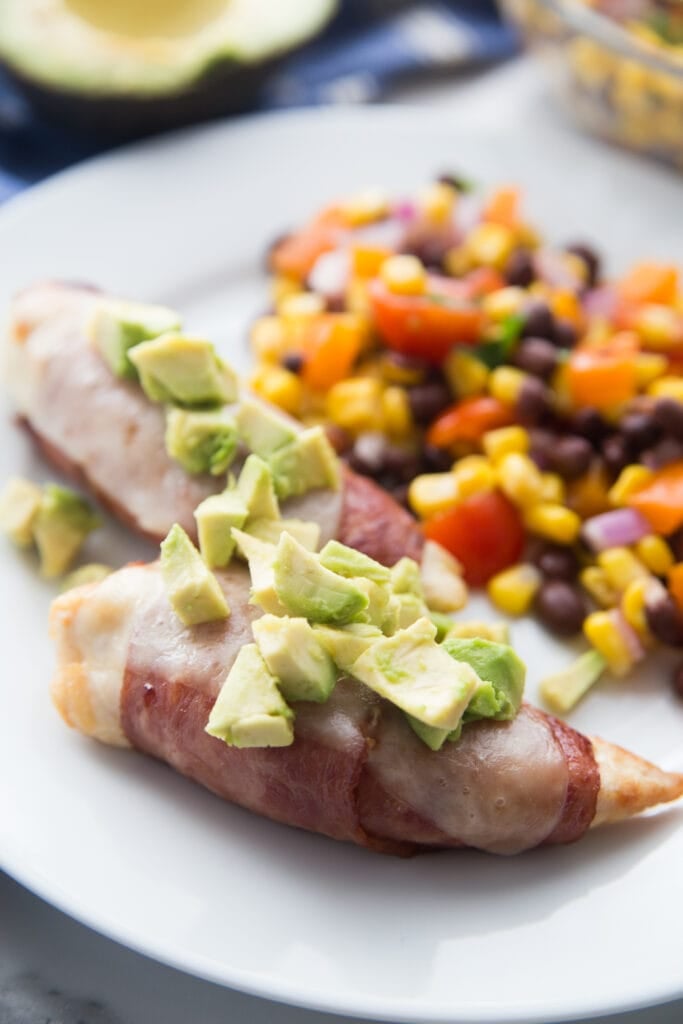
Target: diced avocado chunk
(255,486)
(345,644)
(62,523)
(406,578)
(565,689)
(293,652)
(443,587)
(499,632)
(202,441)
(502,675)
(306,588)
(186,371)
(377,612)
(19,505)
(443,624)
(263,430)
(250,710)
(270,530)
(116,327)
(429,734)
(413,672)
(349,562)
(216,516)
(403,610)
(94,572)
(260,557)
(193,590)
(306,464)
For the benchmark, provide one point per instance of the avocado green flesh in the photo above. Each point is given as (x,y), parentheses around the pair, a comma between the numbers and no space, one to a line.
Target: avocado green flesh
(117,327)
(307,589)
(60,527)
(183,371)
(202,442)
(147,48)
(250,710)
(502,675)
(19,506)
(216,517)
(294,654)
(348,562)
(193,591)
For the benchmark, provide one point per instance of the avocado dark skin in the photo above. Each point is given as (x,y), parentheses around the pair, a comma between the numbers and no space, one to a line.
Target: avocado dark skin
(224,88)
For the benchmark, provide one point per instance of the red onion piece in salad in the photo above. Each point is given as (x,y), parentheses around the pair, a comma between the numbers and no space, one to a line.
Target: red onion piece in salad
(615,529)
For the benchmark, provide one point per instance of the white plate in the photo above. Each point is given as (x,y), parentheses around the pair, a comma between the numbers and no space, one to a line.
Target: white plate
(149,858)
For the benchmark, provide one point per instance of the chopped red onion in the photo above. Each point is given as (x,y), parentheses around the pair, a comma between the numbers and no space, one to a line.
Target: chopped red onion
(635,649)
(601,302)
(615,529)
(330,273)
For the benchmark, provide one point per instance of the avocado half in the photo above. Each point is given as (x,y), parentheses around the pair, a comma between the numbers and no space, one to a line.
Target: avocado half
(129,67)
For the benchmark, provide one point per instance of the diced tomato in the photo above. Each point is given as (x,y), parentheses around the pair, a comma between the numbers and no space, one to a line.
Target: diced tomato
(296,254)
(469,420)
(429,325)
(485,533)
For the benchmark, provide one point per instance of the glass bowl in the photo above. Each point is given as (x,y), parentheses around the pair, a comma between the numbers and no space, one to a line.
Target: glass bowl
(618,86)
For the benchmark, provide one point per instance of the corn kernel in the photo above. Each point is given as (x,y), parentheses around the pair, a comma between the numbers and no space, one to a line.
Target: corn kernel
(554,522)
(404,275)
(437,202)
(490,245)
(633,608)
(658,326)
(498,632)
(473,475)
(356,404)
(514,590)
(366,260)
(630,480)
(505,441)
(505,384)
(458,261)
(594,581)
(302,305)
(520,480)
(432,493)
(398,421)
(649,367)
(588,495)
(282,286)
(667,387)
(365,207)
(503,303)
(269,339)
(357,298)
(553,489)
(467,376)
(655,554)
(565,304)
(278,386)
(605,632)
(621,567)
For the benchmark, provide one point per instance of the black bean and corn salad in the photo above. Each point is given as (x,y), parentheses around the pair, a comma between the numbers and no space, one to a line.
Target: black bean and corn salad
(527,409)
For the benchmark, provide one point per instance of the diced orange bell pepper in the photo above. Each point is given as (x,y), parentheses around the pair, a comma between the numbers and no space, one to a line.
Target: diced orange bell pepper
(606,376)
(503,207)
(660,500)
(296,254)
(469,420)
(330,347)
(675,581)
(649,282)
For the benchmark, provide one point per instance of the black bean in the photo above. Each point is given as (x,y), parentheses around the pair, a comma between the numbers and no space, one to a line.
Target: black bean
(675,542)
(428,400)
(541,447)
(369,453)
(556,562)
(668,413)
(615,453)
(339,438)
(534,404)
(435,460)
(666,451)
(640,429)
(293,362)
(401,464)
(335,303)
(399,493)
(589,424)
(566,334)
(664,619)
(572,457)
(590,257)
(519,269)
(430,251)
(539,322)
(537,356)
(677,681)
(561,607)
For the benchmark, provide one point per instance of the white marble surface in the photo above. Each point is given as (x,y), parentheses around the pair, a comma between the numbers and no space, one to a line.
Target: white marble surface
(54,970)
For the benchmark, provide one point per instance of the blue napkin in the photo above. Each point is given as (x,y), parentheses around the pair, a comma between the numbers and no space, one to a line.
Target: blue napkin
(370,46)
